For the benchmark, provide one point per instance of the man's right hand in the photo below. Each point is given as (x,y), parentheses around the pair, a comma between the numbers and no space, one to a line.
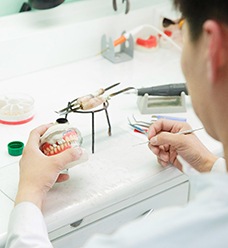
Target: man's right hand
(167,144)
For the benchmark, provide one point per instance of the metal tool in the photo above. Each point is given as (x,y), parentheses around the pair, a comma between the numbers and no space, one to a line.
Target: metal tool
(127,5)
(185,132)
(140,123)
(190,131)
(139,127)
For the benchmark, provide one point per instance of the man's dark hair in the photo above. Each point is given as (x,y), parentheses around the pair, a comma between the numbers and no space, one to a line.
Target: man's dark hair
(197,12)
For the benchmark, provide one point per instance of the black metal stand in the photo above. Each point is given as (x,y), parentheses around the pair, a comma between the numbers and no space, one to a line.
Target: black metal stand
(92,112)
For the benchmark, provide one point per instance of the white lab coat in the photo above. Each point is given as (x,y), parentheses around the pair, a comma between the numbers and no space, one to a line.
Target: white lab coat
(203,222)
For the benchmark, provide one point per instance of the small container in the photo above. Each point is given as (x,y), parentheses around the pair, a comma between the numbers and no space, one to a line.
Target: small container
(16,108)
(15,148)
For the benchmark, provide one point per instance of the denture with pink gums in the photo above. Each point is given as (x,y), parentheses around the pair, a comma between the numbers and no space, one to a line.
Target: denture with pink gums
(60,137)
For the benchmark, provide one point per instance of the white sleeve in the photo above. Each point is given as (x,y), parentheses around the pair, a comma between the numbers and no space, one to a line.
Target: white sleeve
(219,165)
(27,228)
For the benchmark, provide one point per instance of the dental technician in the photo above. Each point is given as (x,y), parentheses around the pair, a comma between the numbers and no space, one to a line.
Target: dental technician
(203,222)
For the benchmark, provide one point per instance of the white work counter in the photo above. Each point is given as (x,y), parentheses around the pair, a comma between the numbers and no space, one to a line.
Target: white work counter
(120,181)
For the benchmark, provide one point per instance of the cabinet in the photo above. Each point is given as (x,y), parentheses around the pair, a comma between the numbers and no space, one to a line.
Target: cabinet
(79,234)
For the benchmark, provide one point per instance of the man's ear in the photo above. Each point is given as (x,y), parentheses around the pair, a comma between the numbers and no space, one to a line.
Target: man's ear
(216,55)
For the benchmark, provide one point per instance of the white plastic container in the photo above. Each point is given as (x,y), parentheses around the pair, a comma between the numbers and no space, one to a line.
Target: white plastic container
(16,108)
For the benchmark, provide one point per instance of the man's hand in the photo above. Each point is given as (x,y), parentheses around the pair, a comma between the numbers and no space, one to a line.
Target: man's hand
(38,172)
(166,144)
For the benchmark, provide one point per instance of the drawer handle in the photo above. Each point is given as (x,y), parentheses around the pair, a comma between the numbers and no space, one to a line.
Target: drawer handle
(76,223)
(147,213)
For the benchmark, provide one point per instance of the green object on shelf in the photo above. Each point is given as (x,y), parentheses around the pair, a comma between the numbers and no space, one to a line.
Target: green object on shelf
(15,148)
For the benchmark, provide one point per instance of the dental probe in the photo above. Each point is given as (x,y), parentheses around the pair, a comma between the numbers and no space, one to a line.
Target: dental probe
(185,132)
(190,131)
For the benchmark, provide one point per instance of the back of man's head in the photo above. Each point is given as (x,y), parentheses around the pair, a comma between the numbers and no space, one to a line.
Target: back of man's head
(197,12)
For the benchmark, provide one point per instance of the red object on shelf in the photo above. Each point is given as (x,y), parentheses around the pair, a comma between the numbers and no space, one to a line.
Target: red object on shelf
(148,43)
(168,33)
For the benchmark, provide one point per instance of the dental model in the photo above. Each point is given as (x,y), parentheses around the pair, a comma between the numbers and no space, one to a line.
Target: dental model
(60,137)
